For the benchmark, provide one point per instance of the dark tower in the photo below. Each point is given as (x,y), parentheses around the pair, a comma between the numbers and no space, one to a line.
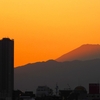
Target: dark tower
(6,68)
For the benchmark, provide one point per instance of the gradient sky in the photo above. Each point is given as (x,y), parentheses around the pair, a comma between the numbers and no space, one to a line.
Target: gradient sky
(46,29)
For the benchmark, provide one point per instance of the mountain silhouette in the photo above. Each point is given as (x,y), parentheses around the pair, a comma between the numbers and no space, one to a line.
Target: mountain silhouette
(84,52)
(50,73)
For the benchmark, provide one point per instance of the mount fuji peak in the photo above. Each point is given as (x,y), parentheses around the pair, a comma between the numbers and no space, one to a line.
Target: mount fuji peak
(84,52)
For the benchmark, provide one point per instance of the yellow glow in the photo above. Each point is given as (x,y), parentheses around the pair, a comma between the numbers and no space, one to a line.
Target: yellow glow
(46,29)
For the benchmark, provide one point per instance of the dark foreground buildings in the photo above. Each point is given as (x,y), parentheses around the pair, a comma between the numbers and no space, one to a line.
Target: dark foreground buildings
(6,68)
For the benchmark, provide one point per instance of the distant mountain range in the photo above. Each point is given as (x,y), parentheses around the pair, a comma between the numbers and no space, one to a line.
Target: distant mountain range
(50,73)
(84,52)
(74,73)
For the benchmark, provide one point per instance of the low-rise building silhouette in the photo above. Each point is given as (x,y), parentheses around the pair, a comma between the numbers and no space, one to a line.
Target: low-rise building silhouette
(94,91)
(43,91)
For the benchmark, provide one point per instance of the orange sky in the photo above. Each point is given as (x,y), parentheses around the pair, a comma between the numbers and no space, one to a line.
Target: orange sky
(46,29)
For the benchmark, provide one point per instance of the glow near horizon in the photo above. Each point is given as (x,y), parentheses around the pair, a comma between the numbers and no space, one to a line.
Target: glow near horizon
(46,29)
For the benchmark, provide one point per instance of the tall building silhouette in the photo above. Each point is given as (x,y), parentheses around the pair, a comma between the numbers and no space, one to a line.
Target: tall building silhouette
(6,68)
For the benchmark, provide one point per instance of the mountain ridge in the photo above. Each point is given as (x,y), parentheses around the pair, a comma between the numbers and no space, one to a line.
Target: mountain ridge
(84,52)
(49,73)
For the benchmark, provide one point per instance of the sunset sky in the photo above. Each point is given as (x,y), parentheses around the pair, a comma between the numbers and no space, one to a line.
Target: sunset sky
(46,29)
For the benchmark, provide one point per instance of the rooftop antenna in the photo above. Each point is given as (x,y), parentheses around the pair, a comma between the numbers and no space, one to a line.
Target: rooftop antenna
(69,87)
(56,89)
(79,82)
